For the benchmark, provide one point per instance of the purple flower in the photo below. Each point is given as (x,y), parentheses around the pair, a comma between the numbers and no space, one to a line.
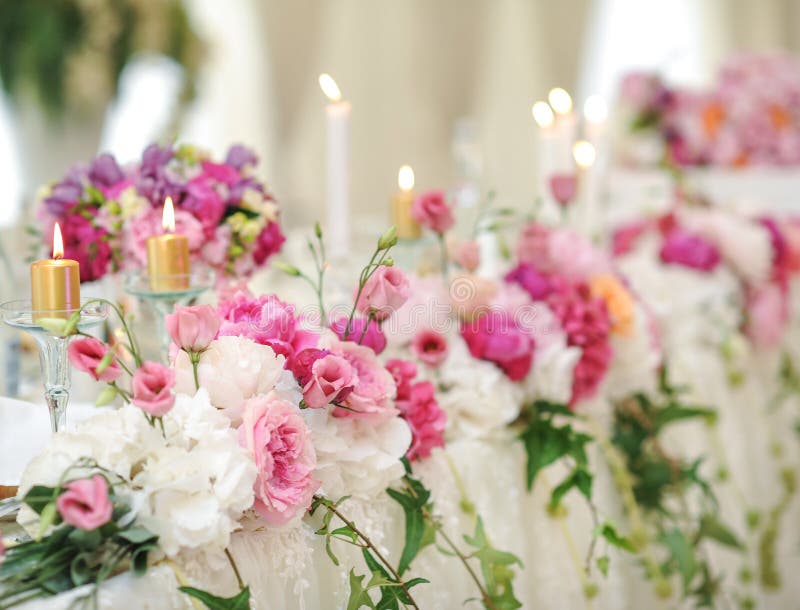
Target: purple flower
(535,283)
(104,171)
(240,156)
(155,158)
(373,338)
(683,248)
(63,197)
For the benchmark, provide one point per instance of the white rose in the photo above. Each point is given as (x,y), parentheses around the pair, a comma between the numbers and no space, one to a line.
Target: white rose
(232,370)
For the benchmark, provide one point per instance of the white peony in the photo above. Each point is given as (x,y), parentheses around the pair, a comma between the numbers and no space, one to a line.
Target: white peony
(232,369)
(551,374)
(636,358)
(357,457)
(189,486)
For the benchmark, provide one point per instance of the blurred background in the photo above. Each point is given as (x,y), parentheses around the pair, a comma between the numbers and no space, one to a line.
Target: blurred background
(445,85)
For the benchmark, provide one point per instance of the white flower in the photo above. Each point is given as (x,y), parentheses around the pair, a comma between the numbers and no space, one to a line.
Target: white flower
(232,369)
(551,374)
(357,457)
(131,203)
(477,395)
(636,358)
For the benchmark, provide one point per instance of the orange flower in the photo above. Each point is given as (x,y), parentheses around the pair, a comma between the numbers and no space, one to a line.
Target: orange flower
(780,117)
(713,115)
(618,300)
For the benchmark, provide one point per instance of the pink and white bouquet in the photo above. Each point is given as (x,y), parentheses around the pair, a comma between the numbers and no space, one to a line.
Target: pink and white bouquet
(749,117)
(107,210)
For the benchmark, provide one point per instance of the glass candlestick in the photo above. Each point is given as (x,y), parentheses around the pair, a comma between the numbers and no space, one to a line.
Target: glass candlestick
(52,348)
(152,292)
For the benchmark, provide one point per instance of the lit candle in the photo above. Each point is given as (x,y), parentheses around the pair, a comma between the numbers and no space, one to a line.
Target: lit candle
(168,255)
(338,183)
(561,102)
(546,144)
(55,283)
(595,113)
(407,227)
(585,156)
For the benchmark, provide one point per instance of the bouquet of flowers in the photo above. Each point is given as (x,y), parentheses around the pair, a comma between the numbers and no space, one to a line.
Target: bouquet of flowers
(749,117)
(107,211)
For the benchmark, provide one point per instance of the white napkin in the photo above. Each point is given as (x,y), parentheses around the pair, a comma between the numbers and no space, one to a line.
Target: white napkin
(25,431)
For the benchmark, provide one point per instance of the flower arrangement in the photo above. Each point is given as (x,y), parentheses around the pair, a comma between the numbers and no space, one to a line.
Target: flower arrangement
(748,118)
(108,211)
(70,55)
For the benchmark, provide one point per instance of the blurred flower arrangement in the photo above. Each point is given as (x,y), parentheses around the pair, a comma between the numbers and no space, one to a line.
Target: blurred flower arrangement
(108,211)
(69,55)
(749,117)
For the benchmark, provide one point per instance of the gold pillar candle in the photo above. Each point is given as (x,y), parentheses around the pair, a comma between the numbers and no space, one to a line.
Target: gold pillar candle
(55,283)
(168,256)
(407,227)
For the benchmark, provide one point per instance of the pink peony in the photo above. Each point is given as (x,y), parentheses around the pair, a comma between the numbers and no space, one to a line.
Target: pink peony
(430,347)
(148,223)
(372,396)
(496,337)
(303,361)
(432,211)
(403,372)
(280,442)
(426,419)
(586,323)
(85,355)
(266,320)
(533,245)
(220,172)
(373,338)
(563,188)
(85,503)
(767,314)
(332,379)
(152,388)
(268,242)
(681,247)
(193,328)
(384,292)
(467,255)
(574,256)
(538,285)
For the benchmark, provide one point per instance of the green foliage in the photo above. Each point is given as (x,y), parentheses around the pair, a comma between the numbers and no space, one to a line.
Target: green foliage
(496,568)
(240,601)
(420,532)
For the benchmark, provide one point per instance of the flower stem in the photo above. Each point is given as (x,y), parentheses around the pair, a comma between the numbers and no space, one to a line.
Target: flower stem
(443,254)
(235,568)
(195,358)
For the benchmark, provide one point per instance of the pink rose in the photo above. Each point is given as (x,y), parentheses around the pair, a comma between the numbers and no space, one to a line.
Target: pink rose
(495,337)
(384,293)
(373,338)
(432,211)
(304,361)
(152,384)
(403,372)
(332,378)
(430,347)
(564,187)
(280,443)
(85,355)
(426,419)
(85,503)
(467,255)
(193,328)
(373,394)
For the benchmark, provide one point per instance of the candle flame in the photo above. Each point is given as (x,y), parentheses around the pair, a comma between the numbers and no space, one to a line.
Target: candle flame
(405,178)
(595,109)
(584,153)
(542,114)
(560,100)
(329,87)
(58,243)
(168,217)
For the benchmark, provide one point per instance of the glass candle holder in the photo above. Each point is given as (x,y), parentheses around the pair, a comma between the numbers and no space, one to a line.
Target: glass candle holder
(163,295)
(52,348)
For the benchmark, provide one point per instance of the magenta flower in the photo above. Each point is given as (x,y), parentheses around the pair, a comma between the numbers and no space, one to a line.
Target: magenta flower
(426,419)
(86,354)
(535,283)
(403,372)
(85,503)
(689,250)
(430,347)
(495,337)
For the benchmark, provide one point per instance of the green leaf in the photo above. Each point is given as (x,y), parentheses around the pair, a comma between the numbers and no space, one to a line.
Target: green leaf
(682,554)
(139,557)
(544,444)
(240,601)
(608,532)
(137,535)
(38,497)
(359,598)
(675,412)
(106,396)
(602,564)
(418,533)
(79,570)
(578,478)
(496,569)
(711,527)
(86,540)
(48,517)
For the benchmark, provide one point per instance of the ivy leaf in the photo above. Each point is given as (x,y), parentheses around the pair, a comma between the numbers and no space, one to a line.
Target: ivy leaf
(580,479)
(359,597)
(614,538)
(602,564)
(674,412)
(681,551)
(544,444)
(711,527)
(241,601)
(496,568)
(418,532)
